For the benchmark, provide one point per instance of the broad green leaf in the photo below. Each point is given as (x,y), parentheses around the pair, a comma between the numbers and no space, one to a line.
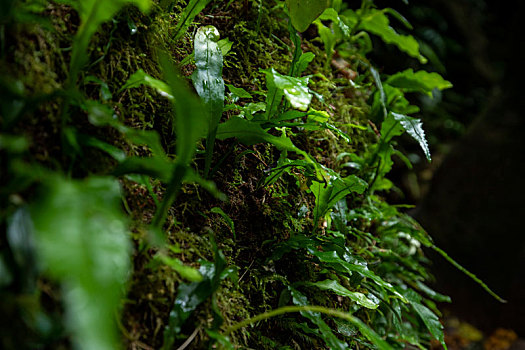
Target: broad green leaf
(208,82)
(304,12)
(337,288)
(141,78)
(190,126)
(414,128)
(420,81)
(336,188)
(294,89)
(186,272)
(395,102)
(331,257)
(189,296)
(274,96)
(155,167)
(430,319)
(83,241)
(331,340)
(376,22)
(340,28)
(92,14)
(190,121)
(225,45)
(302,63)
(191,10)
(251,133)
(238,92)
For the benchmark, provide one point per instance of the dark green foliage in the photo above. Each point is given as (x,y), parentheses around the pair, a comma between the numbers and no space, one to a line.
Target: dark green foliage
(300,172)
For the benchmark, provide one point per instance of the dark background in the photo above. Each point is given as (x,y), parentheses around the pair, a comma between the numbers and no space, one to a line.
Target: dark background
(471,199)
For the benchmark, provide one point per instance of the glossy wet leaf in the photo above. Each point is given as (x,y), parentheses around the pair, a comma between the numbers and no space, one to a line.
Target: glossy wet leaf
(432,293)
(336,188)
(83,242)
(326,332)
(304,12)
(429,318)
(420,81)
(342,262)
(414,127)
(294,89)
(332,258)
(20,237)
(208,82)
(328,336)
(190,296)
(379,85)
(337,288)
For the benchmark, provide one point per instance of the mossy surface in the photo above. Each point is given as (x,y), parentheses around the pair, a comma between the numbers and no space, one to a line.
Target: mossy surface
(36,57)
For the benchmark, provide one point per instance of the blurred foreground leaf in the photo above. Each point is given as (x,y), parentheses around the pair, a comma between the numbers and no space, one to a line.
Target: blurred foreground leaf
(82,239)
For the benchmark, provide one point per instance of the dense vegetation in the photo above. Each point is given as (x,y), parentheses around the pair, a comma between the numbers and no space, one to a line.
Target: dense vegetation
(209,174)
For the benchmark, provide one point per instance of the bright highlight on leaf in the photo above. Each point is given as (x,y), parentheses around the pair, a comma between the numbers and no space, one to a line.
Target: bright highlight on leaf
(209,84)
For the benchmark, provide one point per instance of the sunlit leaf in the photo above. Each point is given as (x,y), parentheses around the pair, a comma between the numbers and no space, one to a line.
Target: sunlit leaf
(208,82)
(421,81)
(414,127)
(294,89)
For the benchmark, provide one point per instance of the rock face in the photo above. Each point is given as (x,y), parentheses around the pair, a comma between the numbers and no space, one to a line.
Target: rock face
(476,210)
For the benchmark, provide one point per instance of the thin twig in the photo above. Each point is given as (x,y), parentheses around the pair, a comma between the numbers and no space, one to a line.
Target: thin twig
(190,339)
